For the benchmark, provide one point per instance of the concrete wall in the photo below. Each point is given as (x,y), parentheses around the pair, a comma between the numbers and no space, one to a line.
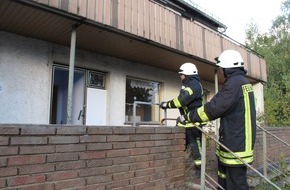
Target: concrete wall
(26,76)
(26,67)
(55,157)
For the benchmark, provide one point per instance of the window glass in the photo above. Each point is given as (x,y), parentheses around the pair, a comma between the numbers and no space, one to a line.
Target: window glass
(142,91)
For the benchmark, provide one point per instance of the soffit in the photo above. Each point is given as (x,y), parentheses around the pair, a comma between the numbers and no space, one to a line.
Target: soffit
(56,28)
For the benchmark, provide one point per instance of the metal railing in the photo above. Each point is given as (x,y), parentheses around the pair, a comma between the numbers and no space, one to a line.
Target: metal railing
(206,135)
(135,108)
(203,158)
(265,132)
(203,175)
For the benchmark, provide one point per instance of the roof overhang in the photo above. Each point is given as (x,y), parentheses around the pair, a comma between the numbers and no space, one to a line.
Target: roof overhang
(35,20)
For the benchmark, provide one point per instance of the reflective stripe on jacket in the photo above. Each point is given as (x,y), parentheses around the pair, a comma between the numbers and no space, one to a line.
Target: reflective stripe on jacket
(190,95)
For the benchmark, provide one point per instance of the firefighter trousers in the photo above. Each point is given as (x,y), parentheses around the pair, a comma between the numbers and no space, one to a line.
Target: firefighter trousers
(232,178)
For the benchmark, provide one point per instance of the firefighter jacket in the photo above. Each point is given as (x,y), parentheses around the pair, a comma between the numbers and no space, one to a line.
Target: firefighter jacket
(190,95)
(234,104)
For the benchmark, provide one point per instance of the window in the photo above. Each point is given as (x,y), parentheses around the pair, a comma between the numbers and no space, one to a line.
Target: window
(142,91)
(96,80)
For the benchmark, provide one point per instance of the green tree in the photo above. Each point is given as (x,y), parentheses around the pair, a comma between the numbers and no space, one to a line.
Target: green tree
(275,47)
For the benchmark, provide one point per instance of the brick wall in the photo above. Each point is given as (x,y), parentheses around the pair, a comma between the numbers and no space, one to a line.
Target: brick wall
(275,148)
(85,157)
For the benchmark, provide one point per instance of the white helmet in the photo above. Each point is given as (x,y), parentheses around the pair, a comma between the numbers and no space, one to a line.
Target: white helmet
(230,59)
(188,69)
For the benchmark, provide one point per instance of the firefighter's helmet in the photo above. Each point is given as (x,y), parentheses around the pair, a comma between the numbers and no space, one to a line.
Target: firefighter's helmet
(230,59)
(188,69)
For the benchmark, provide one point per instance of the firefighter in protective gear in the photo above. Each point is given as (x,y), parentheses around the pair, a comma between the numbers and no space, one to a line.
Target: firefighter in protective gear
(189,98)
(234,104)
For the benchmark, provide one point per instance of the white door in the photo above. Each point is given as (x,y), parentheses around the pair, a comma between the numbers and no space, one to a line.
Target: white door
(96,106)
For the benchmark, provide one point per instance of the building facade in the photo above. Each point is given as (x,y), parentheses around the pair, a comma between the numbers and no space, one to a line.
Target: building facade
(86,62)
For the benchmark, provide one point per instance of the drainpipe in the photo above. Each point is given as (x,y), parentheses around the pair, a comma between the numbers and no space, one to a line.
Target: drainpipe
(216,91)
(71,73)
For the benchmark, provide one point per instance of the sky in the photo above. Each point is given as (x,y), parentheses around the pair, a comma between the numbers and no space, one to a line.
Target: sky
(236,15)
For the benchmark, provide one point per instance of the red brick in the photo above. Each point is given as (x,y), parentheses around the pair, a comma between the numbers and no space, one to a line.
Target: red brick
(175,173)
(92,155)
(142,186)
(99,146)
(8,150)
(117,168)
(178,130)
(179,136)
(30,169)
(139,151)
(10,130)
(124,130)
(25,159)
(158,149)
(99,162)
(93,138)
(4,140)
(117,153)
(38,130)
(75,130)
(161,156)
(42,186)
(158,136)
(92,171)
(23,180)
(63,139)
(163,130)
(158,187)
(144,172)
(118,138)
(70,165)
(93,187)
(115,184)
(72,183)
(171,136)
(142,158)
(100,130)
(123,160)
(2,182)
(123,175)
(156,176)
(139,165)
(99,179)
(60,157)
(9,171)
(162,169)
(70,148)
(28,140)
(3,161)
(62,175)
(162,143)
(157,163)
(37,149)
(143,137)
(138,180)
(144,144)
(123,145)
(147,130)
(128,187)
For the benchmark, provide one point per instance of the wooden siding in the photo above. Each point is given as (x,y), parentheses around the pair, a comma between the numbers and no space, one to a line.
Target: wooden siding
(152,21)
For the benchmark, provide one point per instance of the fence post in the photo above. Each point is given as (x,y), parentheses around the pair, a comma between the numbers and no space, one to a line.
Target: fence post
(265,153)
(203,161)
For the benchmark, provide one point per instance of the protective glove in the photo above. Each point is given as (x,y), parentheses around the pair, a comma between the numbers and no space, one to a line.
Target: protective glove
(163,105)
(181,119)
